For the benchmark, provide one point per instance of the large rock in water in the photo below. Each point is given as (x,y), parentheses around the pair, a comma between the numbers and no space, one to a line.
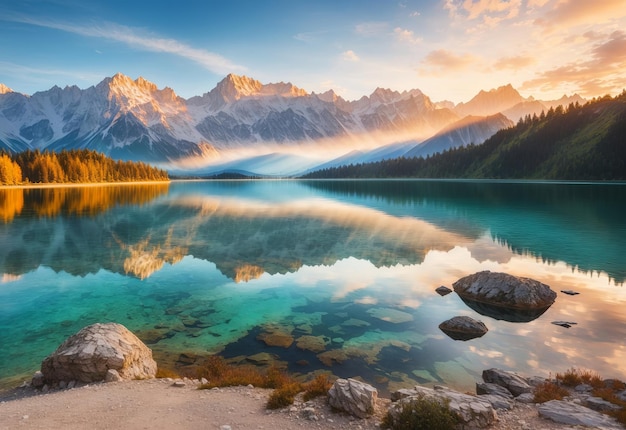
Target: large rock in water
(503,296)
(87,356)
(352,396)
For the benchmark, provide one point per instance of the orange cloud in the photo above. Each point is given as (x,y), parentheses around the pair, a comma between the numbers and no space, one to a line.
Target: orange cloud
(516,62)
(443,60)
(604,72)
(569,13)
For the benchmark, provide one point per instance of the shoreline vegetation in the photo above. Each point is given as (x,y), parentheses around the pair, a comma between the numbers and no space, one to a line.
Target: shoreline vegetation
(573,143)
(284,399)
(77,166)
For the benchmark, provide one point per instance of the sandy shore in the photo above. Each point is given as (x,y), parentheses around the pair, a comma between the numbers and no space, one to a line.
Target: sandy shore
(158,404)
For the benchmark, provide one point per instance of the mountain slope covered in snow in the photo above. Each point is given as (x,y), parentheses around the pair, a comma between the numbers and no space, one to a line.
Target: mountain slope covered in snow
(236,124)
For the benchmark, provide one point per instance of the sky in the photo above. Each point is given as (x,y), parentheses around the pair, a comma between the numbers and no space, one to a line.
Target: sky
(449,49)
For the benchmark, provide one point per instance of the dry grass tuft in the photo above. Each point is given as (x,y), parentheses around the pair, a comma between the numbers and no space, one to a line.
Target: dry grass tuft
(284,396)
(549,391)
(573,377)
(221,374)
(317,387)
(166,373)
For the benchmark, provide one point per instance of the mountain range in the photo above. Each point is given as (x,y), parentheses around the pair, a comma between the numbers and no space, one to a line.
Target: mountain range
(244,125)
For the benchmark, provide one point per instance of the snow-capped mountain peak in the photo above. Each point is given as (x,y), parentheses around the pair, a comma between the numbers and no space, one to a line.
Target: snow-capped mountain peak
(134,119)
(4,89)
(234,87)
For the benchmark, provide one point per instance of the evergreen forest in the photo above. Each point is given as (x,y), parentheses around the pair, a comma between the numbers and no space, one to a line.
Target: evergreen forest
(73,166)
(577,142)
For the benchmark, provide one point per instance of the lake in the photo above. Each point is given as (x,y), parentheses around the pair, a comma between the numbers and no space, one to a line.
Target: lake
(335,276)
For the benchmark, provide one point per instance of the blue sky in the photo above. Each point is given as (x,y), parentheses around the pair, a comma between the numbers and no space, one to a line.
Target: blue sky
(449,49)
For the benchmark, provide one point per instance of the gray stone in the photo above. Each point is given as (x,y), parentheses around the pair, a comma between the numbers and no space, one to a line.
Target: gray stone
(525,398)
(310,414)
(600,405)
(495,389)
(505,290)
(442,291)
(622,395)
(513,382)
(90,353)
(38,380)
(402,393)
(583,388)
(498,402)
(463,328)
(572,414)
(112,376)
(473,412)
(353,397)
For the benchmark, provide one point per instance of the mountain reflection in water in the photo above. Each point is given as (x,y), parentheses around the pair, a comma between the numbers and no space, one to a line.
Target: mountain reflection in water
(342,272)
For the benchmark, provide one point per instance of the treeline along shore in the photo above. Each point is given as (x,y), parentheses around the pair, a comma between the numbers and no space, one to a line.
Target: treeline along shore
(577,142)
(73,166)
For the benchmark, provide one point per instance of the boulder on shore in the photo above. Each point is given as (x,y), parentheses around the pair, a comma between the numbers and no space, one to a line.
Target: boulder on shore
(352,396)
(572,414)
(88,355)
(472,412)
(504,296)
(463,328)
(513,382)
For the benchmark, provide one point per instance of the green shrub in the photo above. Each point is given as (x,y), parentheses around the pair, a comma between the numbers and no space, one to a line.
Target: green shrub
(421,413)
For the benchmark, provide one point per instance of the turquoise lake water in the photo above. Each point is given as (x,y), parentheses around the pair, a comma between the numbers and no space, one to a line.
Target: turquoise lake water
(335,276)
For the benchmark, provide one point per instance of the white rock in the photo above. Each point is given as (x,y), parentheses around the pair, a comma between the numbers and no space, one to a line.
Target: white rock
(352,396)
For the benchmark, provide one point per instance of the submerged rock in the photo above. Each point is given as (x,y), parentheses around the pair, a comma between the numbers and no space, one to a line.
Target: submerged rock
(87,356)
(503,296)
(352,396)
(463,328)
(393,316)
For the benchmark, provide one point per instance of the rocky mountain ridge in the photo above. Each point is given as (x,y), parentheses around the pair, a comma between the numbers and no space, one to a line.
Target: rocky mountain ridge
(135,120)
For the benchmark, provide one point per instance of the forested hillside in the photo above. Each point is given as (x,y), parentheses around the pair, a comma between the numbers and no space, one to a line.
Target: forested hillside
(577,142)
(75,166)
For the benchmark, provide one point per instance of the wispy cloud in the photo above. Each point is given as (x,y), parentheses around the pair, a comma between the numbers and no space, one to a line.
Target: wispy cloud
(514,63)
(370,29)
(141,39)
(442,60)
(350,56)
(602,73)
(37,73)
(569,13)
(406,36)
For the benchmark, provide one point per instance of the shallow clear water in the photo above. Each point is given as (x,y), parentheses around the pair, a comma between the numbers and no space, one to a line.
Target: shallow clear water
(331,275)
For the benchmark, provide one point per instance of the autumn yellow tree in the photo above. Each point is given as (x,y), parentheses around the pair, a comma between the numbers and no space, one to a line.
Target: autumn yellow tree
(10,171)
